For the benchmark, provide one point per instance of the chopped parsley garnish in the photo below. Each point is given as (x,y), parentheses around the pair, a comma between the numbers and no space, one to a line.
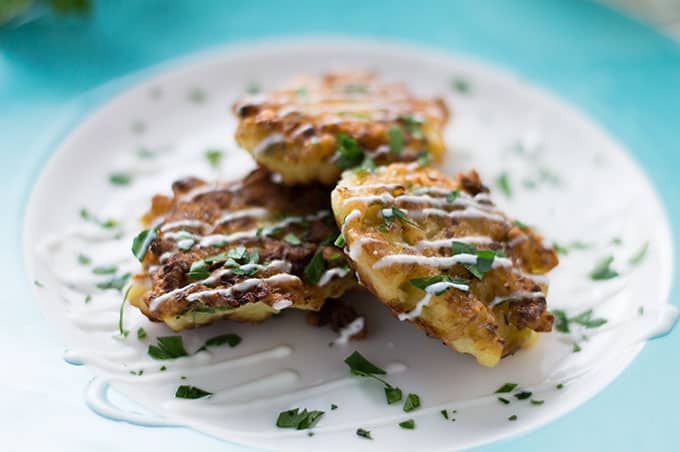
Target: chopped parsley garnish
(638,257)
(585,319)
(84,260)
(523,395)
(576,348)
(214,157)
(142,242)
(424,283)
(354,88)
(392,394)
(389,213)
(367,166)
(523,226)
(462,248)
(292,239)
(616,241)
(105,269)
(452,196)
(88,298)
(460,85)
(297,419)
(139,373)
(38,283)
(191,392)
(163,368)
(301,92)
(402,216)
(602,270)
(364,433)
(120,178)
(364,368)
(408,425)
(560,249)
(413,125)
(169,347)
(339,241)
(424,158)
(561,320)
(141,333)
(199,270)
(115,283)
(537,402)
(123,332)
(641,311)
(230,339)
(559,386)
(106,224)
(145,154)
(503,184)
(197,96)
(315,267)
(138,127)
(503,400)
(348,153)
(507,387)
(361,366)
(411,403)
(334,406)
(513,417)
(445,414)
(485,258)
(396,139)
(253,88)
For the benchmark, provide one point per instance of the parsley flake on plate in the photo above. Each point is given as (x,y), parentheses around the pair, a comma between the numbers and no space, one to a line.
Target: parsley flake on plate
(602,270)
(409,424)
(507,387)
(364,433)
(191,392)
(169,347)
(120,178)
(297,419)
(411,403)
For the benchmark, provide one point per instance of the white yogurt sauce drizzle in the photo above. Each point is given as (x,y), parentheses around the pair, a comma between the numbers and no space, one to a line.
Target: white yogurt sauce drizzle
(354,327)
(431,291)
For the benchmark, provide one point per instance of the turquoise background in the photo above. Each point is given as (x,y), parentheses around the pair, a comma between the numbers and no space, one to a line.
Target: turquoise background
(622,73)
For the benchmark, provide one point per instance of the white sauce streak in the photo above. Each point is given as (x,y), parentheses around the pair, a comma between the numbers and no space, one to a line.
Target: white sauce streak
(328,275)
(354,327)
(431,291)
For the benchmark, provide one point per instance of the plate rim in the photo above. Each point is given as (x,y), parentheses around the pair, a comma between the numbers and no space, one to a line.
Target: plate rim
(97,100)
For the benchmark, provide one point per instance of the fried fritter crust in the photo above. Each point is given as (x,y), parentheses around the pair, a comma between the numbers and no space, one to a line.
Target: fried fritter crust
(399,223)
(295,131)
(281,228)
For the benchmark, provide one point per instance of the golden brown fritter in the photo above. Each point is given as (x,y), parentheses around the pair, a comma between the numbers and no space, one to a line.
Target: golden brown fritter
(439,254)
(314,128)
(241,251)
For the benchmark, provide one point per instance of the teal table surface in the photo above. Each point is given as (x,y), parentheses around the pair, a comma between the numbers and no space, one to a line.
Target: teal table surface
(623,74)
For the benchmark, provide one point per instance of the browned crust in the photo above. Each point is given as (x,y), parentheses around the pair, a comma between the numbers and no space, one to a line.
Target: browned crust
(458,318)
(355,104)
(257,190)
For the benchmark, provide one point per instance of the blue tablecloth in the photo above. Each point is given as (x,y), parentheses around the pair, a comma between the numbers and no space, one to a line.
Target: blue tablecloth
(622,73)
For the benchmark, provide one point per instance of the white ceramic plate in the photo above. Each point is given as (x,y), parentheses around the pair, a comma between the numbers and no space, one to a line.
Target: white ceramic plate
(566,177)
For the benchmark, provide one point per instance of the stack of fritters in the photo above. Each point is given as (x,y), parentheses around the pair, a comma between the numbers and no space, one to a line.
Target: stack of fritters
(436,251)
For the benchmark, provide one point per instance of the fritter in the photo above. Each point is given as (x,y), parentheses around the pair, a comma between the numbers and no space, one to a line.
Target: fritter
(312,129)
(240,251)
(439,254)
